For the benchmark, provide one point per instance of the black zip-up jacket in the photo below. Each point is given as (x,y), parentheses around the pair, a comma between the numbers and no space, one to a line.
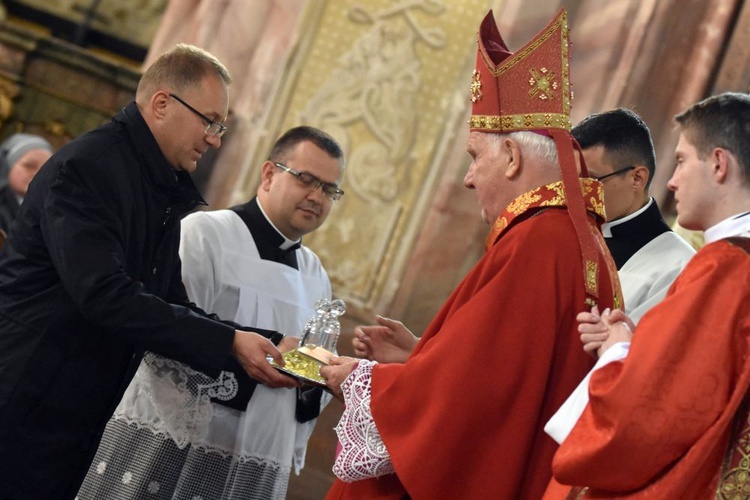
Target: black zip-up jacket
(90,279)
(8,208)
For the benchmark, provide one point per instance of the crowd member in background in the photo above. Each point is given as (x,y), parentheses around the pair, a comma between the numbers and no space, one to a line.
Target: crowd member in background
(21,157)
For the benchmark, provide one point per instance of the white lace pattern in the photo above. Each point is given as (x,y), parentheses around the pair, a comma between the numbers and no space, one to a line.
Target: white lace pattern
(180,397)
(363,453)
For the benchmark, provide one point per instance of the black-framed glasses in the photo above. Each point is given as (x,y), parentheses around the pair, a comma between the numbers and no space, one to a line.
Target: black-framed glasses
(213,128)
(330,189)
(616,172)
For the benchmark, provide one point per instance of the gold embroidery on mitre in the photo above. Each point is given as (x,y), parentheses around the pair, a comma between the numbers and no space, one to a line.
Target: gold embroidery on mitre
(560,120)
(523,202)
(512,123)
(543,84)
(476,87)
(561,83)
(561,23)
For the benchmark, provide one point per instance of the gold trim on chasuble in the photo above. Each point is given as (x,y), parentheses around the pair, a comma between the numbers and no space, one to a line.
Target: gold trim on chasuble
(734,480)
(553,195)
(543,84)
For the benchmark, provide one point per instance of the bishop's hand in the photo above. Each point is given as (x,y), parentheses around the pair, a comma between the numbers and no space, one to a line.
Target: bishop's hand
(387,342)
(599,332)
(336,372)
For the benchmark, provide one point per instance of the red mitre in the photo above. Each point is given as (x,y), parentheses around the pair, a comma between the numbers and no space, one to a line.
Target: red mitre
(529,90)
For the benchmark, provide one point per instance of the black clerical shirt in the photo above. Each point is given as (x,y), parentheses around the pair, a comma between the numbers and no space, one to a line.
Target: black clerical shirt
(630,236)
(267,239)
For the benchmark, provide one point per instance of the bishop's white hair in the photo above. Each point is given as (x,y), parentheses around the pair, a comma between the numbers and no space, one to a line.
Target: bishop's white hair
(539,148)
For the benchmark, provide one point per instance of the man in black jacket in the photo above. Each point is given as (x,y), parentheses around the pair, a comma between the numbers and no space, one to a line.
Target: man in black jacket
(90,277)
(247,264)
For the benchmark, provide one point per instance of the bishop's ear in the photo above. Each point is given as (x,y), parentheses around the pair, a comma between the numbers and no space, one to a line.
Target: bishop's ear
(512,153)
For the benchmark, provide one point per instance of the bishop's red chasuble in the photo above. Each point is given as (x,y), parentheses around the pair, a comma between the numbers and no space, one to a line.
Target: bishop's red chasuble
(464,416)
(668,422)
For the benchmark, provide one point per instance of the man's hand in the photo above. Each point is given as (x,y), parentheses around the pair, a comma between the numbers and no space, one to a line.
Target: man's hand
(251,350)
(336,372)
(387,342)
(592,329)
(600,332)
(620,327)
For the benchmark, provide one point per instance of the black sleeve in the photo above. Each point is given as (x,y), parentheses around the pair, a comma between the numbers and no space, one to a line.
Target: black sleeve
(246,384)
(82,226)
(308,403)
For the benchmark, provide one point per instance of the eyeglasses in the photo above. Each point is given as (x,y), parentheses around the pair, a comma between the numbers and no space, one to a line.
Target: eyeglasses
(330,189)
(616,172)
(213,128)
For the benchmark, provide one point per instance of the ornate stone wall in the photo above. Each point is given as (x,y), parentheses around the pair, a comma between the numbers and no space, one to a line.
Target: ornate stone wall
(56,89)
(134,22)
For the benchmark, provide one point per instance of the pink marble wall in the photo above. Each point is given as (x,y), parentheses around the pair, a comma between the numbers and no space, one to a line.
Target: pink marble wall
(252,39)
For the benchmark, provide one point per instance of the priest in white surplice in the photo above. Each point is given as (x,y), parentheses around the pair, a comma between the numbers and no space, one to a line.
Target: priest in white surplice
(619,152)
(180,434)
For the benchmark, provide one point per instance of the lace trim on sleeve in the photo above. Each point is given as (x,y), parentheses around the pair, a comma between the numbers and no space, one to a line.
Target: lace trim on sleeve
(363,453)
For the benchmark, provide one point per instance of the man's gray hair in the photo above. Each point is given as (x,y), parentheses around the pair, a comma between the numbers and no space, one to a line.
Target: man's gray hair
(536,146)
(182,67)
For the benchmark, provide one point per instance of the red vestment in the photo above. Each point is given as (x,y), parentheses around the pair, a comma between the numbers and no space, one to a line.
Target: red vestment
(658,422)
(464,416)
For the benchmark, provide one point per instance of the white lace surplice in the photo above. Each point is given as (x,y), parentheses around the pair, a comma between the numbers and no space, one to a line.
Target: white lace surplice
(363,453)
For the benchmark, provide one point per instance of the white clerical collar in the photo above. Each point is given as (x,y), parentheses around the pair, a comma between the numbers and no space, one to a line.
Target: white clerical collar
(607,226)
(736,225)
(287,242)
(19,198)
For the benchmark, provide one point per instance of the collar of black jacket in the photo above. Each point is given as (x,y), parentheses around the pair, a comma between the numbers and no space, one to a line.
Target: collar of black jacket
(179,185)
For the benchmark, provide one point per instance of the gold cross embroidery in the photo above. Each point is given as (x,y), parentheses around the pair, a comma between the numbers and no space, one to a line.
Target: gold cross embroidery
(542,84)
